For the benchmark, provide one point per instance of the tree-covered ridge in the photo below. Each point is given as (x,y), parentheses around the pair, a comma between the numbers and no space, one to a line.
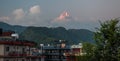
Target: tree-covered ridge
(8,27)
(46,35)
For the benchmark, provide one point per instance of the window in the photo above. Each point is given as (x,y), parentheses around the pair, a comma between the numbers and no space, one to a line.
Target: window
(6,60)
(7,48)
(23,50)
(23,60)
(33,59)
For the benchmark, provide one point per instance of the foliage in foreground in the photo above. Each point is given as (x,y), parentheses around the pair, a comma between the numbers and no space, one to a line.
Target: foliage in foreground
(107,46)
(107,40)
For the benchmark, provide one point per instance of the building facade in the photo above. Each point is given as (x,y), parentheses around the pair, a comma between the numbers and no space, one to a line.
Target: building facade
(56,52)
(76,50)
(12,49)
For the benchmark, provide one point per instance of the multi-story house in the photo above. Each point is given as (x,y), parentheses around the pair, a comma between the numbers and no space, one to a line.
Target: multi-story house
(76,50)
(56,51)
(12,49)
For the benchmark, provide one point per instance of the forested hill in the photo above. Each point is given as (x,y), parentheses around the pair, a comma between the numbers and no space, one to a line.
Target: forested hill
(8,27)
(47,35)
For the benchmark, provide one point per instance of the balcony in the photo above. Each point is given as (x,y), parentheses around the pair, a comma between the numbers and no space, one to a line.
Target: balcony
(10,42)
(17,54)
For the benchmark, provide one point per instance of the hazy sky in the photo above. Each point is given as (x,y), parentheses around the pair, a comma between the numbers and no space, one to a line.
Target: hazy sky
(77,14)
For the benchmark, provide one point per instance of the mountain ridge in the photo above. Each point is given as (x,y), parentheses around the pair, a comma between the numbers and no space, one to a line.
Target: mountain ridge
(48,35)
(16,28)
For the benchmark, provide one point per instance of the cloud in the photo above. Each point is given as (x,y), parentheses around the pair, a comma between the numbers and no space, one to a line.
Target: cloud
(4,18)
(35,9)
(24,17)
(18,14)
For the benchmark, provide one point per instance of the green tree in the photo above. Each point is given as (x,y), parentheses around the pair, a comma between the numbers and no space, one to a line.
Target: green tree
(88,52)
(88,48)
(107,39)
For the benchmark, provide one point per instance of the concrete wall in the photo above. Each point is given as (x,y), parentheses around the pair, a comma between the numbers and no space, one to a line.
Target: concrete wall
(1,49)
(16,48)
(14,59)
(1,59)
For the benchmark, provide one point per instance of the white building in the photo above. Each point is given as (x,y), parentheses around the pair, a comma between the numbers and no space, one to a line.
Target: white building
(77,49)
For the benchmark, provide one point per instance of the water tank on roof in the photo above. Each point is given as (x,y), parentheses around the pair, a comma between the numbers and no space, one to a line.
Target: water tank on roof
(80,44)
(15,35)
(41,45)
(60,40)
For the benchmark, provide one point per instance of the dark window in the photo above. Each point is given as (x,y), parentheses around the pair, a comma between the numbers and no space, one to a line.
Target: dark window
(6,60)
(33,59)
(23,60)
(23,50)
(7,48)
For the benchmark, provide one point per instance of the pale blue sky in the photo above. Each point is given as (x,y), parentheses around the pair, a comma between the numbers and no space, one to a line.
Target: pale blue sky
(82,14)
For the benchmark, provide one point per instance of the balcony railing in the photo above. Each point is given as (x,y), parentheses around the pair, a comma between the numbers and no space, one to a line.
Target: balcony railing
(6,42)
(17,54)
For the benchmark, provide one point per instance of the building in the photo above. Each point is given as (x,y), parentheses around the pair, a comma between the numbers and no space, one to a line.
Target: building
(12,49)
(76,50)
(55,52)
